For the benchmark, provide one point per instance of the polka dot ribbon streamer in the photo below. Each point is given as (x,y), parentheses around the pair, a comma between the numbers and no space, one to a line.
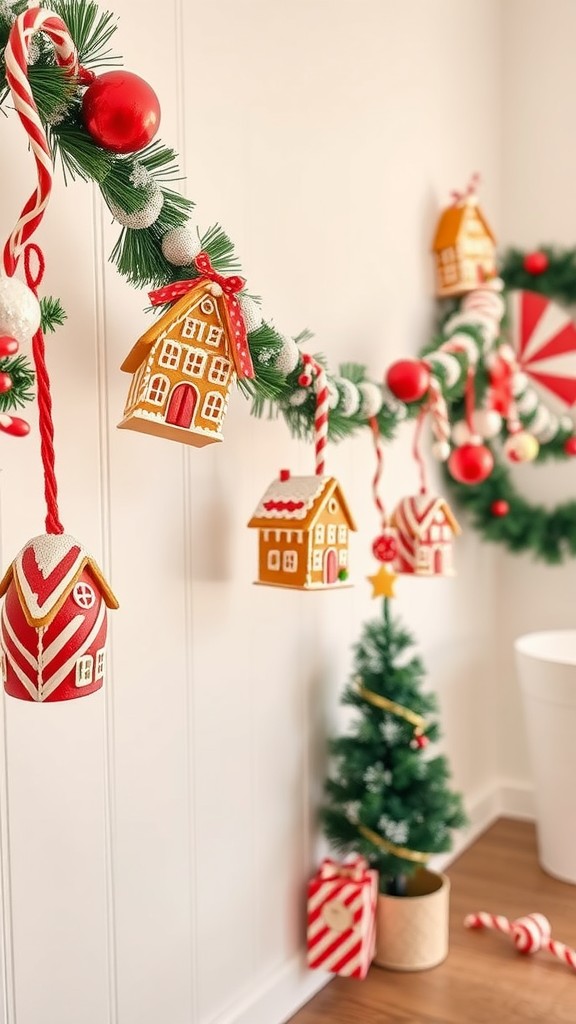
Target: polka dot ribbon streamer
(320,382)
(16,56)
(529,934)
(235,320)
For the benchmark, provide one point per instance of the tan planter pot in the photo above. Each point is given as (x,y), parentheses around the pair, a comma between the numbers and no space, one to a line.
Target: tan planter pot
(412,930)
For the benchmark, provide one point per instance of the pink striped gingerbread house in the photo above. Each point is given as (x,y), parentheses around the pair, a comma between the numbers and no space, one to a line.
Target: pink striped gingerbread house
(425,527)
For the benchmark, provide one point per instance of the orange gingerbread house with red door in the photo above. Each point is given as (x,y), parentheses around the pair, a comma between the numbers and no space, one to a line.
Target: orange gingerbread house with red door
(464,248)
(182,370)
(425,528)
(304,526)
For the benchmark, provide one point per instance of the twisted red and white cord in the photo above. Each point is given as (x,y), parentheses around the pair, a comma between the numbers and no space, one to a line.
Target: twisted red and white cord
(27,24)
(529,934)
(379,451)
(320,382)
(16,56)
(439,418)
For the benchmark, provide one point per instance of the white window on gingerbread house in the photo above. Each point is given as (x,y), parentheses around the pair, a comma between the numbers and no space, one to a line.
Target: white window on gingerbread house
(170,355)
(100,663)
(213,406)
(219,370)
(317,560)
(274,560)
(331,534)
(157,388)
(319,533)
(194,362)
(423,559)
(290,561)
(342,534)
(214,336)
(84,670)
(343,558)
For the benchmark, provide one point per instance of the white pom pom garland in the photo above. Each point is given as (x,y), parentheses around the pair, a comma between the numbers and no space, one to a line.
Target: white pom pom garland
(19,310)
(441,450)
(333,395)
(299,397)
(349,403)
(181,246)
(371,399)
(288,357)
(460,433)
(487,422)
(143,218)
(251,312)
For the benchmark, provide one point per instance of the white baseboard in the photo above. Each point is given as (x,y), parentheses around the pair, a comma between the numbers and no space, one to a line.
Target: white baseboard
(280,996)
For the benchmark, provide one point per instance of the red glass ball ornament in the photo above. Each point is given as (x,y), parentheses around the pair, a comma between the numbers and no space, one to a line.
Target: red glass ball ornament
(408,379)
(304,380)
(385,547)
(499,508)
(121,112)
(8,346)
(570,445)
(536,263)
(471,463)
(5,382)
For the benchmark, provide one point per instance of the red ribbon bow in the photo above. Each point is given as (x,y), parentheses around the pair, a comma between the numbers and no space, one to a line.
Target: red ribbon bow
(356,870)
(235,325)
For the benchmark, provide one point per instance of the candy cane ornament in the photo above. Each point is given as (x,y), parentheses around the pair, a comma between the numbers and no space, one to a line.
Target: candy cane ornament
(53,626)
(316,374)
(529,934)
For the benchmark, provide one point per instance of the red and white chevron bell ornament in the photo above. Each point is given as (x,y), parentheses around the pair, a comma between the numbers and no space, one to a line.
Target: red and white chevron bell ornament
(53,625)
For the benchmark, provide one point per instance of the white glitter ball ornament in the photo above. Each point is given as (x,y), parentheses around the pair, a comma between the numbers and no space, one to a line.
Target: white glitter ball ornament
(288,357)
(299,397)
(371,399)
(333,395)
(19,310)
(349,403)
(460,433)
(487,422)
(251,313)
(145,217)
(181,246)
(441,450)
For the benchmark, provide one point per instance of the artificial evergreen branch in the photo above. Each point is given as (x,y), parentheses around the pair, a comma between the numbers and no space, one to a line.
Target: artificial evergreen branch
(91,29)
(53,314)
(22,376)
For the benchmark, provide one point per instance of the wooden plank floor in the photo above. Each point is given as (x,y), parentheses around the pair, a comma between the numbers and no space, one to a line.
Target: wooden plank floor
(484,980)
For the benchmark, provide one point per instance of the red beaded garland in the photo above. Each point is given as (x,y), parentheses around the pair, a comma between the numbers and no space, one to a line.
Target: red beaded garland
(5,382)
(500,507)
(121,112)
(8,346)
(570,445)
(408,379)
(536,263)
(471,463)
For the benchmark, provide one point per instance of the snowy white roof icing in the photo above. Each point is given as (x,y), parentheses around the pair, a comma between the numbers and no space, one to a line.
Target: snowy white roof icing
(291,499)
(45,570)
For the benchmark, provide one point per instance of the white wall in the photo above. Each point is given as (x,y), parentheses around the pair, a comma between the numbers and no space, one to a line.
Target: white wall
(539,206)
(156,838)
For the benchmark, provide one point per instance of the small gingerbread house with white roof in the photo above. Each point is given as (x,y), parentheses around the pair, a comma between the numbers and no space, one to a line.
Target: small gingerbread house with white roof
(304,525)
(425,527)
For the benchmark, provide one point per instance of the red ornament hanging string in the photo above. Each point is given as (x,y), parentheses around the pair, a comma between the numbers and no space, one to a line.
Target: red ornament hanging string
(384,547)
(16,58)
(417,452)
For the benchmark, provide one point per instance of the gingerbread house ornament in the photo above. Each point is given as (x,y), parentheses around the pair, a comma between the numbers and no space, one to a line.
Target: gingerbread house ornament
(54,621)
(185,364)
(304,526)
(464,247)
(425,527)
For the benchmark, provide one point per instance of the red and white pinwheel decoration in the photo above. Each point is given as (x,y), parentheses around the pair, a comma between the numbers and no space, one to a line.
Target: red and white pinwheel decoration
(544,339)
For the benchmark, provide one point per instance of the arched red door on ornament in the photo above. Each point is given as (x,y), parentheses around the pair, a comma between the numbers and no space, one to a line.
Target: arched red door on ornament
(330,566)
(182,404)
(439,561)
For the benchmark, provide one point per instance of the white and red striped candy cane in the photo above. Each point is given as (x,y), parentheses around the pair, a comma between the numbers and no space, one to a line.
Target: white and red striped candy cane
(27,24)
(529,934)
(322,408)
(438,411)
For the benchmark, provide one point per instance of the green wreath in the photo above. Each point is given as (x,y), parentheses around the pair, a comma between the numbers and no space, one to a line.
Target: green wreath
(497,508)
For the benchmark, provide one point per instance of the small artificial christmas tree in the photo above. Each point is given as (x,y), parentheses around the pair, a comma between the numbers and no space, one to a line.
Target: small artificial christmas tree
(387,800)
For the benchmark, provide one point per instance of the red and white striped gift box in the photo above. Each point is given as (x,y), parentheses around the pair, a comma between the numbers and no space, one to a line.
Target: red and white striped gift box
(342,918)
